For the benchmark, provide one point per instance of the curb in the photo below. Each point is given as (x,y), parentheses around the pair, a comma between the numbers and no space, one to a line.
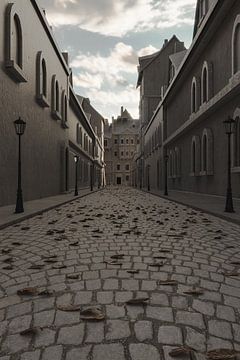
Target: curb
(39,212)
(221,216)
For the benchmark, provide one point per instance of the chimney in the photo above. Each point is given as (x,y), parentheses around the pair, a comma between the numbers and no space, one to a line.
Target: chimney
(65,55)
(121,110)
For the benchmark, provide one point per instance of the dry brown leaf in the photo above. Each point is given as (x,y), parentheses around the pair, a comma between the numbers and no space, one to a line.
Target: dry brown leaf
(36,266)
(180,351)
(113,262)
(235,262)
(6,251)
(72,276)
(59,266)
(167,282)
(164,250)
(194,292)
(137,301)
(231,273)
(45,293)
(133,271)
(93,314)
(8,267)
(75,243)
(117,256)
(30,331)
(16,243)
(221,354)
(30,291)
(156,264)
(69,307)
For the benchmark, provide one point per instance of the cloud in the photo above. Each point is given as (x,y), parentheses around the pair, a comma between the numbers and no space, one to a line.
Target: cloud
(119,17)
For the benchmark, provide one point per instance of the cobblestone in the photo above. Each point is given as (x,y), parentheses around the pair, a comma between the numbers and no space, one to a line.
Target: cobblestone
(137,226)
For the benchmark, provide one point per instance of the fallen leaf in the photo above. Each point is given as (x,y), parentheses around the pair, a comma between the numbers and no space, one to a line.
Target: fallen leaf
(167,282)
(28,291)
(59,266)
(164,250)
(137,301)
(30,331)
(45,293)
(112,262)
(25,228)
(231,273)
(73,276)
(36,266)
(133,271)
(9,267)
(8,260)
(16,243)
(6,251)
(92,314)
(221,354)
(193,292)
(51,261)
(156,264)
(117,256)
(235,262)
(180,351)
(68,307)
(75,243)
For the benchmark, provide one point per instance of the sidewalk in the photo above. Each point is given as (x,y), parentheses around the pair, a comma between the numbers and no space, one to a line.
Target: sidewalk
(211,204)
(36,207)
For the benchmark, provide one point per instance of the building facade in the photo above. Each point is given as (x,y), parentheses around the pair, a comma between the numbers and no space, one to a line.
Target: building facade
(121,138)
(202,94)
(35,85)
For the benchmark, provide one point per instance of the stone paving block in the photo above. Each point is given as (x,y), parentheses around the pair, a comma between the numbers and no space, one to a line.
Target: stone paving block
(19,309)
(195,339)
(3,327)
(95,332)
(160,313)
(9,300)
(117,329)
(105,297)
(109,352)
(226,313)
(190,318)
(71,335)
(15,343)
(32,355)
(143,352)
(180,302)
(110,284)
(220,329)
(216,343)
(170,335)
(130,285)
(143,330)
(44,318)
(204,307)
(45,338)
(93,284)
(79,353)
(115,312)
(148,285)
(19,324)
(159,299)
(83,297)
(53,353)
(123,296)
(236,332)
(66,318)
(43,304)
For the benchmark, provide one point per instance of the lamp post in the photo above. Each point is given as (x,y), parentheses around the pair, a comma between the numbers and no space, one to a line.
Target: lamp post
(20,126)
(76,159)
(166,157)
(229,130)
(148,177)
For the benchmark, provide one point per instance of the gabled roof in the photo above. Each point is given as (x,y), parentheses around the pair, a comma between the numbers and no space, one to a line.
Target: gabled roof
(177,58)
(151,58)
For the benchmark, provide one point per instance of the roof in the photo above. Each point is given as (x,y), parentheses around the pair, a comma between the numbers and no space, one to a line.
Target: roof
(151,58)
(177,58)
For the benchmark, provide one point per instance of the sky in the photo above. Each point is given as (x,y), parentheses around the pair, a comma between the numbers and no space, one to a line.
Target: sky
(104,39)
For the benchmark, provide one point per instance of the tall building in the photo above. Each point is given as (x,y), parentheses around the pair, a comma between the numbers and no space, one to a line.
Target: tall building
(187,126)
(121,138)
(36,85)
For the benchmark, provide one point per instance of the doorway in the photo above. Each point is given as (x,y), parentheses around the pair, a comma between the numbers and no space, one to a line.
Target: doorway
(119,180)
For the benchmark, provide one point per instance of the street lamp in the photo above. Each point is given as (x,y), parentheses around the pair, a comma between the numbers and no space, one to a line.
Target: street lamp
(148,177)
(229,125)
(76,159)
(20,127)
(166,157)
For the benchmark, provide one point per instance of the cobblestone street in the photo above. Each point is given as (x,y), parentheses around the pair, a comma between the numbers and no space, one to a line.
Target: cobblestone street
(181,266)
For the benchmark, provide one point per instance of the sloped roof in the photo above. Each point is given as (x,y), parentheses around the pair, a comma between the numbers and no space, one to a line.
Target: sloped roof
(177,58)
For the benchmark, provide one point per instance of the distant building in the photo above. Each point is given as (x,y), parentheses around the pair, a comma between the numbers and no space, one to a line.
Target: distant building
(121,138)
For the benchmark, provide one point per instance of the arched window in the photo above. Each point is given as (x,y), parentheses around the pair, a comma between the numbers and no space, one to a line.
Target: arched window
(236,46)
(14,44)
(204,85)
(207,152)
(195,156)
(41,81)
(55,99)
(64,110)
(194,96)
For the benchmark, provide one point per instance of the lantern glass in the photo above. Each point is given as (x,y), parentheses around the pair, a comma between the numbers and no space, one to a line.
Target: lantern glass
(229,125)
(75,158)
(20,126)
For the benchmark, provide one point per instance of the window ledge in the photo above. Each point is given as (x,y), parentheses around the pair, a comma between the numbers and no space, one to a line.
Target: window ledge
(42,101)
(64,125)
(56,115)
(235,169)
(15,71)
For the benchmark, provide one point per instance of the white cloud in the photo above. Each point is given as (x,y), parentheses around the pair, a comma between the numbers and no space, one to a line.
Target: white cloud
(119,17)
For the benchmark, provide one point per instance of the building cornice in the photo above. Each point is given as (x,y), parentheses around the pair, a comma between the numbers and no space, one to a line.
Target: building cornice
(49,33)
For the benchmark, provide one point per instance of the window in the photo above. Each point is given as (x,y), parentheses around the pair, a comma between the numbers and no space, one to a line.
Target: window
(105,143)
(202,9)
(64,110)
(126,153)
(41,81)
(195,156)
(115,153)
(127,141)
(121,153)
(127,167)
(55,99)
(14,45)
(204,85)
(122,141)
(194,96)
(118,167)
(115,141)
(127,178)
(207,152)
(236,46)
(132,141)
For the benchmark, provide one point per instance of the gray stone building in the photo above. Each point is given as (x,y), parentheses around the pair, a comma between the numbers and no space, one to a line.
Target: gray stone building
(155,73)
(188,122)
(121,138)
(36,85)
